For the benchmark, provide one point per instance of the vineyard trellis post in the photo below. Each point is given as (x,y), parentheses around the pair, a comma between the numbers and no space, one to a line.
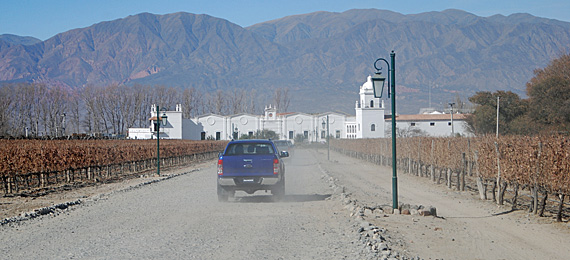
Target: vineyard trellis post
(480,186)
(535,180)
(501,187)
(432,170)
(464,163)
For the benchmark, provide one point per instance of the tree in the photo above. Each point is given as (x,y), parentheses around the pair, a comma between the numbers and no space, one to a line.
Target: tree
(38,109)
(5,104)
(549,95)
(281,99)
(266,134)
(191,99)
(299,139)
(484,118)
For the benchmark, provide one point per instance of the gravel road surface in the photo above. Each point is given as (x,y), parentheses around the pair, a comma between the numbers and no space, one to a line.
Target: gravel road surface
(325,215)
(180,218)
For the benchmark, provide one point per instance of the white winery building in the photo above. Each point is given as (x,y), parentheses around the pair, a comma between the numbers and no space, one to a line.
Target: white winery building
(368,122)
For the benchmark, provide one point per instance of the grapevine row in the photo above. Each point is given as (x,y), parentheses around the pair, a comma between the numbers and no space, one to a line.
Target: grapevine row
(33,164)
(539,163)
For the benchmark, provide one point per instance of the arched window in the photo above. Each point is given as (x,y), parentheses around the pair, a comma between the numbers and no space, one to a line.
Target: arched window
(373,127)
(371,103)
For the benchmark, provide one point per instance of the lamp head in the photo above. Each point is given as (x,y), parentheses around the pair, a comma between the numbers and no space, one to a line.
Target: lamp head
(164,118)
(378,84)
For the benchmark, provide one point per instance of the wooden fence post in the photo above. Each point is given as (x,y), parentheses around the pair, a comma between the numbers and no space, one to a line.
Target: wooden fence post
(420,173)
(482,191)
(432,162)
(535,179)
(560,206)
(463,171)
(449,176)
(500,192)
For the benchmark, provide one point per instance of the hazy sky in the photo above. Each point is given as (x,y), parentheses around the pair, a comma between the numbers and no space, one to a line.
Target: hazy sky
(45,18)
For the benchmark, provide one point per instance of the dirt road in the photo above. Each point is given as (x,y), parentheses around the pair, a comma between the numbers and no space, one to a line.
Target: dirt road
(181,218)
(467,228)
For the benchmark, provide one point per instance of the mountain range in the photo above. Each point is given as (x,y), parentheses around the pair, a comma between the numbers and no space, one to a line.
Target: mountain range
(321,57)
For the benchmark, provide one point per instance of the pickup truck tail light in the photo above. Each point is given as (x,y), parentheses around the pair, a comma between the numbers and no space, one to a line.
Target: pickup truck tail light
(220,167)
(275,166)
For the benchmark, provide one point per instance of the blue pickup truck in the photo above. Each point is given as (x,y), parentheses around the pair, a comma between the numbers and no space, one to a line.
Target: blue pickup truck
(251,165)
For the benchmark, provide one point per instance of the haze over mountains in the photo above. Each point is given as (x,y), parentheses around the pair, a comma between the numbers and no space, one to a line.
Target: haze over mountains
(321,57)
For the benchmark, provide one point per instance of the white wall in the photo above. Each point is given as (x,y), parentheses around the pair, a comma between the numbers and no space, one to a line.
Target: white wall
(173,127)
(372,117)
(211,124)
(191,129)
(139,133)
(437,128)
(299,123)
(244,123)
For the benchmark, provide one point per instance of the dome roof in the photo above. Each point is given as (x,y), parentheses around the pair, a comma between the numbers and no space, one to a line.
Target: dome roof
(368,84)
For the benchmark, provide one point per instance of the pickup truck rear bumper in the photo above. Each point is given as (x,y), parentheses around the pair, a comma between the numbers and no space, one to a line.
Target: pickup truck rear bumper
(245,181)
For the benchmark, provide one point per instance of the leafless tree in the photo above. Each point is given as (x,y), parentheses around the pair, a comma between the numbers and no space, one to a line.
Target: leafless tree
(218,102)
(56,100)
(5,105)
(74,110)
(191,100)
(145,101)
(93,120)
(22,97)
(236,101)
(251,101)
(281,99)
(39,109)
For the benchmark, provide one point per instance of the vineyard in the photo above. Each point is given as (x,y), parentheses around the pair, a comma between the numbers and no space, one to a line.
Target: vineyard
(494,166)
(33,166)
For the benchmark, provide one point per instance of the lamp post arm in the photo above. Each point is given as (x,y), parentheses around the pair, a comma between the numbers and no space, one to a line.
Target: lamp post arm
(378,69)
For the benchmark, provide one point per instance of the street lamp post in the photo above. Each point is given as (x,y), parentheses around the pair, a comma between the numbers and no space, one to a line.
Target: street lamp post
(328,136)
(159,119)
(378,86)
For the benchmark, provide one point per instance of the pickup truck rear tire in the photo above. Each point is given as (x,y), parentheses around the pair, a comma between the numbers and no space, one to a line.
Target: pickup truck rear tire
(279,190)
(222,194)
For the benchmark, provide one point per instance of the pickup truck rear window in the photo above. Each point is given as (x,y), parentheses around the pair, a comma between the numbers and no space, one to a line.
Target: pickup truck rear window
(249,149)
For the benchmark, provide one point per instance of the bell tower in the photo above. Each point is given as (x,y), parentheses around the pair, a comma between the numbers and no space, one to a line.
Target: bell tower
(270,113)
(369,113)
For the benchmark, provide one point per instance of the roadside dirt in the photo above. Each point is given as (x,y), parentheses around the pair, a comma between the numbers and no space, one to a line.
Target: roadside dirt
(466,227)
(14,206)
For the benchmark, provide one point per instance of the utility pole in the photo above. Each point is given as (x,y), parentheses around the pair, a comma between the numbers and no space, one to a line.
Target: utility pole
(497,131)
(451,105)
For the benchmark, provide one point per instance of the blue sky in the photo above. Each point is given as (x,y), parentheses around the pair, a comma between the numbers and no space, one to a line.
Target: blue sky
(45,18)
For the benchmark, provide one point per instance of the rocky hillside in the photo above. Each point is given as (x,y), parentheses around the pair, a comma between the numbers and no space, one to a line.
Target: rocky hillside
(321,57)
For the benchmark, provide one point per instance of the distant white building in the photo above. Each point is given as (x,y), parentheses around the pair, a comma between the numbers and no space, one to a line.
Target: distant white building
(438,125)
(368,122)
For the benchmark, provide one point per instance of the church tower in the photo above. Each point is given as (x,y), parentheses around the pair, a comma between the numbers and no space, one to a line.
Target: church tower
(370,121)
(270,113)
